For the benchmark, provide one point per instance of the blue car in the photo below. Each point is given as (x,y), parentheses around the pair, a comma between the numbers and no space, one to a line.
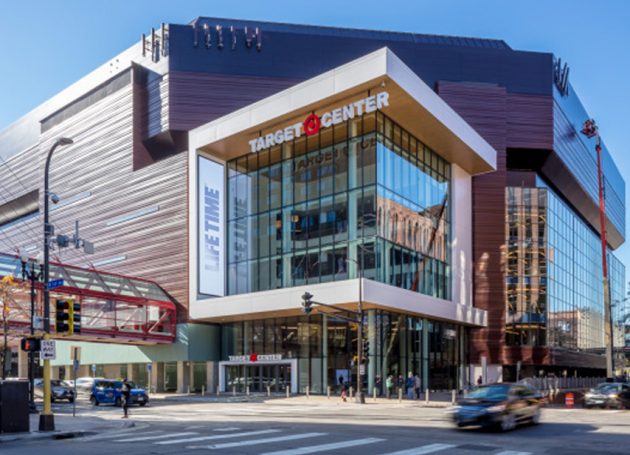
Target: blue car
(105,391)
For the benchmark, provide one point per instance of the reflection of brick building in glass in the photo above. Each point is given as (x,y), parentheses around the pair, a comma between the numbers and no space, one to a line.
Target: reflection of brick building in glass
(410,229)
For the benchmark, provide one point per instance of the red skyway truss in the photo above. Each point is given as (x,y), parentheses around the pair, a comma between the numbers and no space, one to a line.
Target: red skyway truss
(114,308)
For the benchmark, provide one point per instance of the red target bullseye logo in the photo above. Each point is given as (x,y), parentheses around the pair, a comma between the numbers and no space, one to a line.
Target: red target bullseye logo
(312,125)
(253,357)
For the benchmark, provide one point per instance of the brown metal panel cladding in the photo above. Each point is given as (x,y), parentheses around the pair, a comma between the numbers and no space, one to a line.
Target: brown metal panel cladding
(197,98)
(484,107)
(529,121)
(100,162)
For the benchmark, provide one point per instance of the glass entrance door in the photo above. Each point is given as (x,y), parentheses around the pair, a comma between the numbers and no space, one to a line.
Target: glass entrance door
(258,377)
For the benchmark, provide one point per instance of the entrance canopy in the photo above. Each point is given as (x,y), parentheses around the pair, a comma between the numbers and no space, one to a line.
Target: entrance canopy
(410,102)
(114,308)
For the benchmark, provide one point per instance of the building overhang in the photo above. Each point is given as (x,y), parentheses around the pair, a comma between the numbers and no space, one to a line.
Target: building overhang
(412,104)
(287,302)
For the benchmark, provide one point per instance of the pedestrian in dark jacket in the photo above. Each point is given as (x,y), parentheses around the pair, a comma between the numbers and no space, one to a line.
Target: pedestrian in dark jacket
(126,396)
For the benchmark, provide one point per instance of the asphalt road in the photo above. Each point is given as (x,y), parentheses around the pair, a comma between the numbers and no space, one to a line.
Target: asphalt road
(331,427)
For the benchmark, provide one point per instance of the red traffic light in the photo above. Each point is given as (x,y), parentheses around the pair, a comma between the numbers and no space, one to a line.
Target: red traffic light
(31,344)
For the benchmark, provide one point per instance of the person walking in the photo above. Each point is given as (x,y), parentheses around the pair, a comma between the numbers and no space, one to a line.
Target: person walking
(417,385)
(389,385)
(410,384)
(126,396)
(479,380)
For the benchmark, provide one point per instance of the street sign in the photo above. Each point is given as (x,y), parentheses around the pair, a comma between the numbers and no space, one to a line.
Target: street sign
(55,283)
(75,365)
(93,369)
(48,350)
(149,367)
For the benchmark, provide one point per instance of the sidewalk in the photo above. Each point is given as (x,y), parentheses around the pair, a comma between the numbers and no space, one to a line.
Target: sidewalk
(437,399)
(67,426)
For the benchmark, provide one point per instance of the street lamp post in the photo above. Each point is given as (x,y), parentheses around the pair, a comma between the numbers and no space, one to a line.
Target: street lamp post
(33,276)
(590,130)
(46,418)
(360,394)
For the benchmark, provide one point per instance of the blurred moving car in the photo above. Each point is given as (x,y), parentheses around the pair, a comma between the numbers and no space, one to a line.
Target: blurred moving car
(59,390)
(500,406)
(608,395)
(106,391)
(85,384)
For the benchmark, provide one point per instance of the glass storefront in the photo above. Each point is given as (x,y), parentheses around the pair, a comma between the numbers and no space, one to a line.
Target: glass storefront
(362,192)
(554,292)
(325,349)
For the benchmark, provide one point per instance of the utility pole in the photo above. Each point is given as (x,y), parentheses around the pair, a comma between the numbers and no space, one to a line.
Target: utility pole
(46,418)
(590,130)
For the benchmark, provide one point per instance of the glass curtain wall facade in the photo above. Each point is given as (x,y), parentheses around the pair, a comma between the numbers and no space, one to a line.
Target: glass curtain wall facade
(364,190)
(554,292)
(326,348)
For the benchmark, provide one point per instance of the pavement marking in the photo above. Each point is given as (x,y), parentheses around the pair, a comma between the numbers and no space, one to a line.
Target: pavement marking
(219,436)
(513,452)
(253,442)
(118,434)
(323,447)
(227,429)
(147,438)
(424,449)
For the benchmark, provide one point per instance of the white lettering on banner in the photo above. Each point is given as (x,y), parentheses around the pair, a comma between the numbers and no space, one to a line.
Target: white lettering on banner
(255,358)
(326,120)
(211,245)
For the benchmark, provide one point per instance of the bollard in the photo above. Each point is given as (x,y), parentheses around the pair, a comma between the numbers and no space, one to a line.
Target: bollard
(400,394)
(308,395)
(233,390)
(453,397)
(328,392)
(351,391)
(569,400)
(426,396)
(218,391)
(374,394)
(188,390)
(247,390)
(203,390)
(268,391)
(287,392)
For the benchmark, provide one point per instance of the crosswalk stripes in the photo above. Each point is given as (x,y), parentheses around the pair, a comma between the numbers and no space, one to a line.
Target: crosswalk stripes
(227,429)
(513,452)
(253,442)
(217,436)
(324,447)
(147,438)
(430,448)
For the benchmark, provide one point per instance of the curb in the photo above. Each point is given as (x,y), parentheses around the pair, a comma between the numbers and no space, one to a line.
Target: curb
(36,435)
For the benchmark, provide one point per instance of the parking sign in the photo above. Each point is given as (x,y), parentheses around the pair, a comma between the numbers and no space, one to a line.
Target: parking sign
(48,350)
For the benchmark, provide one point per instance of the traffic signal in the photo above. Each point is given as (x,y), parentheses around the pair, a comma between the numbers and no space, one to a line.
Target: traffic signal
(62,317)
(30,344)
(307,303)
(74,317)
(366,351)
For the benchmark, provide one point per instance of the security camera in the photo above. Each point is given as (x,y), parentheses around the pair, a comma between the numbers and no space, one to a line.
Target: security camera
(54,198)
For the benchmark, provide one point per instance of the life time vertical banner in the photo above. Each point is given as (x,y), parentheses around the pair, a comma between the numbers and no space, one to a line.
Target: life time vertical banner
(211,244)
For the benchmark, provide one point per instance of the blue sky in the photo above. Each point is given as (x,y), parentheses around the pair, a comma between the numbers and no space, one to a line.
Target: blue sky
(47,45)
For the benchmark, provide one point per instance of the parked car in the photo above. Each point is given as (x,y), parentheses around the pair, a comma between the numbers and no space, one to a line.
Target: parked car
(500,406)
(608,395)
(106,391)
(59,390)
